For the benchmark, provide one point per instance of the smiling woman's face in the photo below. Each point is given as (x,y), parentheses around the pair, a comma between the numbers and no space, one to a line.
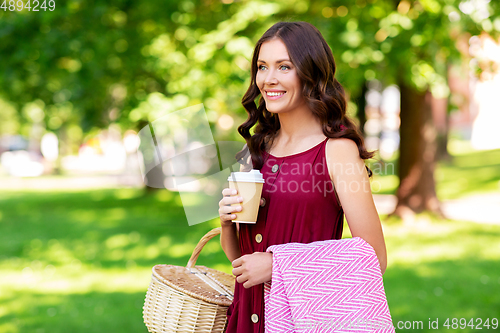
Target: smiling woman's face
(277,78)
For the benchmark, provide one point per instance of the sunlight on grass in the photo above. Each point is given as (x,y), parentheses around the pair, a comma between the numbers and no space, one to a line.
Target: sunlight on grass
(84,216)
(152,252)
(181,250)
(471,173)
(118,241)
(126,193)
(68,280)
(384,184)
(164,196)
(97,195)
(459,147)
(115,214)
(434,241)
(164,242)
(191,200)
(442,269)
(226,268)
(8,328)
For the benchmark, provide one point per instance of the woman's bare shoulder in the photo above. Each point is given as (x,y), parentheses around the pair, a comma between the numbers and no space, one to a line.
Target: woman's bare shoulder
(342,149)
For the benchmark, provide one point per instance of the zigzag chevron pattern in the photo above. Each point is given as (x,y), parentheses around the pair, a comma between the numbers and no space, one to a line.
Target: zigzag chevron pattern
(326,286)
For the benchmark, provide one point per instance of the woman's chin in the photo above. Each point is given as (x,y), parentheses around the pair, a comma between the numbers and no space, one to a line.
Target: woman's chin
(273,108)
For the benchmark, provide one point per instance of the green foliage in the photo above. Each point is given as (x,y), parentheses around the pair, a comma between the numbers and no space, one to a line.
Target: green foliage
(413,41)
(91,63)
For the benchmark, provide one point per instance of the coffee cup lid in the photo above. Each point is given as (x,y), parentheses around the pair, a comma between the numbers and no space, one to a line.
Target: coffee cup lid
(253,176)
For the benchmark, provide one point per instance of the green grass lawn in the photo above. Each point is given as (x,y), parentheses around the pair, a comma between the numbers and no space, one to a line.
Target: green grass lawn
(471,173)
(80,261)
(443,269)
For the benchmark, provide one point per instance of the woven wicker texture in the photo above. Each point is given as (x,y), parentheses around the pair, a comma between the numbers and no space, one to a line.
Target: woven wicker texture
(188,299)
(183,280)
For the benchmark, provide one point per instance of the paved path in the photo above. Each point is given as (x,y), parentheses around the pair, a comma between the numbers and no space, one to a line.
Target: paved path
(480,208)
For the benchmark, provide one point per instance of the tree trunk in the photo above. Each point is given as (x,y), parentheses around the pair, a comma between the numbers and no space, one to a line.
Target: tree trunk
(361,103)
(418,148)
(442,149)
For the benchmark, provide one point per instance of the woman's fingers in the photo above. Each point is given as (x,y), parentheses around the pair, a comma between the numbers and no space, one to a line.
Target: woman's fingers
(241,279)
(245,281)
(253,269)
(229,191)
(238,261)
(237,271)
(229,198)
(227,218)
(230,209)
(230,201)
(241,273)
(228,205)
(227,212)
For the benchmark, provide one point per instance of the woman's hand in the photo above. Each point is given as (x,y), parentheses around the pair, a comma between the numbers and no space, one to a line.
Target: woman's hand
(226,211)
(253,269)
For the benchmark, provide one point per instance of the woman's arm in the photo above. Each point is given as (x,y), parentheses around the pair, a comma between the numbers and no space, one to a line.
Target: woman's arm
(229,230)
(348,173)
(251,269)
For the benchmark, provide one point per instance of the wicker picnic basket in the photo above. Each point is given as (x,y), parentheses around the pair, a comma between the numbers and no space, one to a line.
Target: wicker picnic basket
(188,299)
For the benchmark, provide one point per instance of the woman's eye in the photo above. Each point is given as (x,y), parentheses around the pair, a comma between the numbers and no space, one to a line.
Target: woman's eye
(261,67)
(284,67)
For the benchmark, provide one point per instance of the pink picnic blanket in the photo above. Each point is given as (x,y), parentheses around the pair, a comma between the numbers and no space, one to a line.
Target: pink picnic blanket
(326,286)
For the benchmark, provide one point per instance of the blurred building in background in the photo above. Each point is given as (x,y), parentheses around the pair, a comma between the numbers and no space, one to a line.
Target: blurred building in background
(470,113)
(485,92)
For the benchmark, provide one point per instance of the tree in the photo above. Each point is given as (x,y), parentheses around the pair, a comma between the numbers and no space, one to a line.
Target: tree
(432,46)
(92,64)
(411,44)
(140,62)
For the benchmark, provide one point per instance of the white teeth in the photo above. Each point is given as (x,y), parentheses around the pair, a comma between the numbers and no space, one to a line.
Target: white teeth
(272,94)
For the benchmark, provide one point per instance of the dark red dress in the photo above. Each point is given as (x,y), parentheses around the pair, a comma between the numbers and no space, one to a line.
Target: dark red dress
(300,206)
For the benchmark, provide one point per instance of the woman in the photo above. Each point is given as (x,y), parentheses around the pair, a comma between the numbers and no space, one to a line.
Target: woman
(312,158)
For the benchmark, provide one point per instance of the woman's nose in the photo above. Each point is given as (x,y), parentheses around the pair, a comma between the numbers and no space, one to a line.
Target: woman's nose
(270,78)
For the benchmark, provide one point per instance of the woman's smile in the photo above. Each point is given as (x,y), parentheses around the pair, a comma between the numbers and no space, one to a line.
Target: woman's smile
(274,94)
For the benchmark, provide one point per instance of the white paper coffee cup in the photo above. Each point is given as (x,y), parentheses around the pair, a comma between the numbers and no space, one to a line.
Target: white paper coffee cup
(249,186)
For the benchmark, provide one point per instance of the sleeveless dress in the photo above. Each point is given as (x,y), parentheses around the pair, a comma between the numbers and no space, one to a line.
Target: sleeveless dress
(301,207)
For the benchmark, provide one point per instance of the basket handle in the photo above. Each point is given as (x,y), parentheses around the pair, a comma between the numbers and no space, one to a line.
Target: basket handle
(196,252)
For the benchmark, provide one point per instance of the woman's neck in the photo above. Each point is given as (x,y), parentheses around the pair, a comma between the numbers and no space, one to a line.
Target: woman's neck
(298,125)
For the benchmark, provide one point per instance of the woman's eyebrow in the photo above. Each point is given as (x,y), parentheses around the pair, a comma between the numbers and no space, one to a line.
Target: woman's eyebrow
(277,61)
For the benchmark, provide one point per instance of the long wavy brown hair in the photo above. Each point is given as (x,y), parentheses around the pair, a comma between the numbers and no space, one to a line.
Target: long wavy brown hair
(324,95)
